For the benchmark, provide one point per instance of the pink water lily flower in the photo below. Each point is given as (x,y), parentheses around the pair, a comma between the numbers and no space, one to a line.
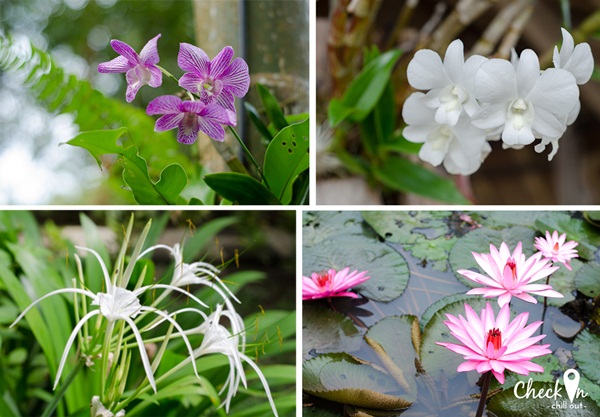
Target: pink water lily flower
(493,344)
(555,249)
(215,81)
(332,283)
(511,275)
(190,117)
(140,69)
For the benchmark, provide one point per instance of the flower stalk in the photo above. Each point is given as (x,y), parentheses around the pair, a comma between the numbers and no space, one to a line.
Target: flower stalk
(487,379)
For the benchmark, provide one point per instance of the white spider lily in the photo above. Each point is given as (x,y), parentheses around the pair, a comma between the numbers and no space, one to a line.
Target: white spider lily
(217,339)
(98,409)
(201,273)
(117,303)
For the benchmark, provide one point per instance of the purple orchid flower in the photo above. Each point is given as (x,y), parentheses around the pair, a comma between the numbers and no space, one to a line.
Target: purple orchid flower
(216,81)
(190,117)
(140,69)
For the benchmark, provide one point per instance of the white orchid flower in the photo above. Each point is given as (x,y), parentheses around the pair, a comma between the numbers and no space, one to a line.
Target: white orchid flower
(461,148)
(521,103)
(450,82)
(117,303)
(578,60)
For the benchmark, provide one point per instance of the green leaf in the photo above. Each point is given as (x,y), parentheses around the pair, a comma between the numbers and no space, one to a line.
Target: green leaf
(365,90)
(272,107)
(255,119)
(506,404)
(240,188)
(586,279)
(397,143)
(135,169)
(391,339)
(285,158)
(586,352)
(400,174)
(325,330)
(171,183)
(342,378)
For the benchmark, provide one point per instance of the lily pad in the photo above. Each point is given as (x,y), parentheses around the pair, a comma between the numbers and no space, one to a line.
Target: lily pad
(576,229)
(441,303)
(424,233)
(323,225)
(586,353)
(391,340)
(503,219)
(325,330)
(506,404)
(562,281)
(387,268)
(479,241)
(342,378)
(587,279)
(436,358)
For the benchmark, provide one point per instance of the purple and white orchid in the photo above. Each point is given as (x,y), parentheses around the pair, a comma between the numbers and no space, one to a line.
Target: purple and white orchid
(216,81)
(140,69)
(190,117)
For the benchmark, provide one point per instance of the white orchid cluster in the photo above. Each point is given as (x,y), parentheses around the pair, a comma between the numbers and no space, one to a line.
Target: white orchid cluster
(118,304)
(469,103)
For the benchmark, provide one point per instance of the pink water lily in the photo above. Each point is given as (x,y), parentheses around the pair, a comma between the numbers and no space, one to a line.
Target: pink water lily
(511,275)
(491,343)
(140,69)
(554,248)
(216,81)
(332,283)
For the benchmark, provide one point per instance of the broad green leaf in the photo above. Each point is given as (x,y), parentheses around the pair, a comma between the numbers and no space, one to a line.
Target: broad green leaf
(441,303)
(397,143)
(391,340)
(479,240)
(325,330)
(563,281)
(506,404)
(285,158)
(135,169)
(586,353)
(240,188)
(587,279)
(402,175)
(171,183)
(342,378)
(425,234)
(272,107)
(318,226)
(365,90)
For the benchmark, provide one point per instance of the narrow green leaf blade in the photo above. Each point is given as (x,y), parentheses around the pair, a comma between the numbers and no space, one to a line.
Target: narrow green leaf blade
(240,188)
(272,108)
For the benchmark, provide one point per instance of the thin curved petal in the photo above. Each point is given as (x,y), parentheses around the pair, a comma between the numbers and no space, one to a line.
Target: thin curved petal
(143,354)
(127,51)
(149,54)
(119,64)
(192,58)
(102,265)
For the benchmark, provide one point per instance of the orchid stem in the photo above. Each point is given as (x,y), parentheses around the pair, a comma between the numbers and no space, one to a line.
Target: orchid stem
(487,378)
(168,74)
(247,152)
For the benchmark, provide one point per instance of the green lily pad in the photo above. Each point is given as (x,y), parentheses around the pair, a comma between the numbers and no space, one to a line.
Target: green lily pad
(342,378)
(587,279)
(503,219)
(576,229)
(436,358)
(562,281)
(391,340)
(593,390)
(586,353)
(506,404)
(479,241)
(325,330)
(441,303)
(592,217)
(323,225)
(342,239)
(423,233)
